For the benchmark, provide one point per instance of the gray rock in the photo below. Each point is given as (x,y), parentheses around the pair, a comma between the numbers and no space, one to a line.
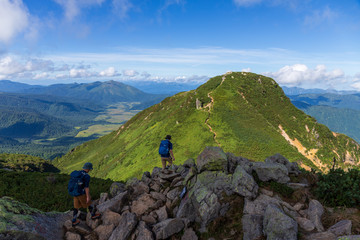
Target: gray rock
(189,163)
(305,224)
(176,181)
(158,196)
(117,188)
(139,189)
(278,158)
(162,214)
(155,172)
(115,204)
(187,210)
(271,171)
(143,204)
(146,178)
(109,217)
(315,212)
(173,193)
(341,228)
(189,234)
(321,236)
(252,226)
(244,184)
(148,219)
(126,226)
(278,226)
(104,231)
(212,159)
(258,206)
(72,236)
(170,176)
(103,197)
(92,223)
(142,232)
(167,228)
(234,161)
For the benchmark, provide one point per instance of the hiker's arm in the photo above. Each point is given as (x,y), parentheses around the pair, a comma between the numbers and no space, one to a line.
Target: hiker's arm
(172,155)
(88,197)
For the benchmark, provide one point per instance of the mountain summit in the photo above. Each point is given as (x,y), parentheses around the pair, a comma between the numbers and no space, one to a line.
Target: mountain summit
(243,113)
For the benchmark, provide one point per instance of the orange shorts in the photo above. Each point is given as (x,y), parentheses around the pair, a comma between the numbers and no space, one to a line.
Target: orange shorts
(80,202)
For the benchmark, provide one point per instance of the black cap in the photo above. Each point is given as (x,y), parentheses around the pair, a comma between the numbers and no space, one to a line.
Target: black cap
(168,137)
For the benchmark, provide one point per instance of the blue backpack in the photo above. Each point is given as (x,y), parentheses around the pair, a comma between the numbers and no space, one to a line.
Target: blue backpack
(75,186)
(164,147)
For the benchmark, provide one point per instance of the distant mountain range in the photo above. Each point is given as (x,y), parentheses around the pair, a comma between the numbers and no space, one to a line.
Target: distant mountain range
(297,91)
(244,113)
(44,120)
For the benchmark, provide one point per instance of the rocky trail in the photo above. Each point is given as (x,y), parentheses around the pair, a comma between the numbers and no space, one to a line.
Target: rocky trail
(225,199)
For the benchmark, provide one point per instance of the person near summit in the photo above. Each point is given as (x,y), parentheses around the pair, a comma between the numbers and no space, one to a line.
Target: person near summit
(166,152)
(78,187)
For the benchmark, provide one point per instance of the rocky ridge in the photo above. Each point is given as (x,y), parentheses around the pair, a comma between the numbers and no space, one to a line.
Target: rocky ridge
(219,184)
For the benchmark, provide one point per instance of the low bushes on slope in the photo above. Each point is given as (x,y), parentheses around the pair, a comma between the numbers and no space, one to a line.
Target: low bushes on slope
(45,191)
(339,188)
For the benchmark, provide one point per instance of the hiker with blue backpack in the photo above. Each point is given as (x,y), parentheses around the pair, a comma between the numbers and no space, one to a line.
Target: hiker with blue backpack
(78,187)
(166,152)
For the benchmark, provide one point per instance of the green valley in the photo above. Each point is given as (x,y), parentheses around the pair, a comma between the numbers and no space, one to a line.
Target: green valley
(244,113)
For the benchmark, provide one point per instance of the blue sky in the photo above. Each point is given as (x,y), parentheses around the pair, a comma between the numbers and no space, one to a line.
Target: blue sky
(305,43)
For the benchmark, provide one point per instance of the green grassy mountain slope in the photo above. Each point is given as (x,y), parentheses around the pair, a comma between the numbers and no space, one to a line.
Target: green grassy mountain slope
(244,113)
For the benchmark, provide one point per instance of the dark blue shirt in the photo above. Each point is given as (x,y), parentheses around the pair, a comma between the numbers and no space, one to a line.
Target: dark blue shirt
(86,179)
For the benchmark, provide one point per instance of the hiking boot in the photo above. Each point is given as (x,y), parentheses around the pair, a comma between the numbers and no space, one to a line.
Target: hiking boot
(96,216)
(77,222)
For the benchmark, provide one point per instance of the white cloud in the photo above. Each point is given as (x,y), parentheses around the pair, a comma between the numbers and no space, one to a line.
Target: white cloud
(356,81)
(319,17)
(122,7)
(246,70)
(14,18)
(81,73)
(73,8)
(41,75)
(9,66)
(300,74)
(110,72)
(130,73)
(246,3)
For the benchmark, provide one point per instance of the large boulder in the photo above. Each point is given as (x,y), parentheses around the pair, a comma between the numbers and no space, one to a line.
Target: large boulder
(212,159)
(315,212)
(278,225)
(244,184)
(126,226)
(143,204)
(104,231)
(117,188)
(271,171)
(234,161)
(167,228)
(115,204)
(258,205)
(142,232)
(341,228)
(278,158)
(252,226)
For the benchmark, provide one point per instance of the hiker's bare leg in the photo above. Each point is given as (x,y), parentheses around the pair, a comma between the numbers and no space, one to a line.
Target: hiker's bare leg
(163,161)
(170,161)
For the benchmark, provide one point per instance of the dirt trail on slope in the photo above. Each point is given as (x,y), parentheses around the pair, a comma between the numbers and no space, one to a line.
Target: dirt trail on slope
(209,106)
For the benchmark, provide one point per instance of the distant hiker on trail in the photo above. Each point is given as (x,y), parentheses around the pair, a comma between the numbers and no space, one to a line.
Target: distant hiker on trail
(78,187)
(166,152)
